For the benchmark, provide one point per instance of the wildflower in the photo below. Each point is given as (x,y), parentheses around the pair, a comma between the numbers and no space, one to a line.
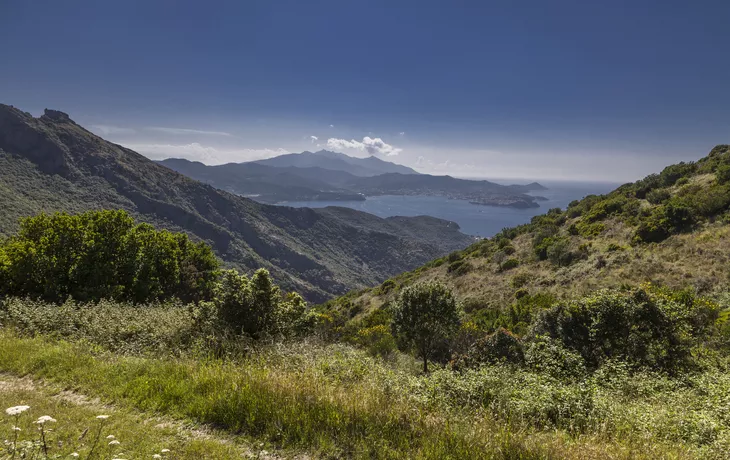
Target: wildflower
(111,436)
(164,451)
(114,443)
(75,454)
(102,417)
(44,418)
(15,428)
(16,410)
(157,456)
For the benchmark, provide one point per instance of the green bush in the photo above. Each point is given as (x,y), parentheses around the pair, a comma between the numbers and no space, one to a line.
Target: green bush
(646,327)
(499,347)
(671,174)
(658,196)
(459,268)
(550,356)
(664,221)
(520,279)
(509,264)
(104,255)
(613,247)
(723,174)
(587,230)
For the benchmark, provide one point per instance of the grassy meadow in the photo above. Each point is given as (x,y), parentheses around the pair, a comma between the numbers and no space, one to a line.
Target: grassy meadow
(334,401)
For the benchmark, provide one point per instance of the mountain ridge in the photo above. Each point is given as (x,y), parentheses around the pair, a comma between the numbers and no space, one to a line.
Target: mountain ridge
(50,164)
(338,185)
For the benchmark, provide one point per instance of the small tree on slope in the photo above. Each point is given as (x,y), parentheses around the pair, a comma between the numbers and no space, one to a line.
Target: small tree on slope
(426,315)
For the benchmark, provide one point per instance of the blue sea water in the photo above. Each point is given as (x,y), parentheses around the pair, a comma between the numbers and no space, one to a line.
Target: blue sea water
(483,221)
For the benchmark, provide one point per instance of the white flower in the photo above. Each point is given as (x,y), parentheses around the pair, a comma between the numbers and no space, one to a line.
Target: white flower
(111,436)
(157,456)
(45,418)
(164,451)
(16,410)
(15,428)
(102,417)
(114,443)
(75,454)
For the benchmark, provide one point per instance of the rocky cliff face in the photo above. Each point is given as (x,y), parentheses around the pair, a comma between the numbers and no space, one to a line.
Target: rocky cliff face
(51,163)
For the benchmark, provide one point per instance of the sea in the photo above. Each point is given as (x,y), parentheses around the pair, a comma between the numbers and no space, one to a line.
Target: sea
(477,220)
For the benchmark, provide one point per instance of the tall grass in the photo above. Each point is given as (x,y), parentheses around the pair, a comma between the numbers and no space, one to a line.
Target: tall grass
(333,401)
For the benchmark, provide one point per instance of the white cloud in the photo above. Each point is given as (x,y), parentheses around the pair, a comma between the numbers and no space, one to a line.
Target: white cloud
(106,130)
(332,126)
(186,131)
(402,133)
(313,139)
(207,155)
(373,146)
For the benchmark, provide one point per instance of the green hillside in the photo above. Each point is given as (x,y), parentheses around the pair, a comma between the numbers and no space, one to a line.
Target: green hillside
(52,164)
(670,228)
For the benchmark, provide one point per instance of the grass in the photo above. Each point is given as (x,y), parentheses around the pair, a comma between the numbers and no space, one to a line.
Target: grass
(78,430)
(335,402)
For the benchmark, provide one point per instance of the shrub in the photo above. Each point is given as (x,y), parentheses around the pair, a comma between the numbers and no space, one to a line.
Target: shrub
(256,307)
(509,264)
(500,346)
(605,208)
(459,268)
(644,327)
(587,230)
(387,286)
(658,196)
(377,340)
(613,247)
(520,293)
(520,279)
(723,174)
(664,221)
(559,254)
(548,355)
(671,174)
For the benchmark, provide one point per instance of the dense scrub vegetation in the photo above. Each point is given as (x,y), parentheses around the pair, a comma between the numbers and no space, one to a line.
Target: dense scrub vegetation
(83,261)
(669,228)
(104,255)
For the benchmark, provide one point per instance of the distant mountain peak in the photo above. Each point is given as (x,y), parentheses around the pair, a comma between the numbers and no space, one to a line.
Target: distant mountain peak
(327,159)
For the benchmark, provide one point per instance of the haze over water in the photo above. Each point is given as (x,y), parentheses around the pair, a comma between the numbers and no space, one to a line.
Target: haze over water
(477,220)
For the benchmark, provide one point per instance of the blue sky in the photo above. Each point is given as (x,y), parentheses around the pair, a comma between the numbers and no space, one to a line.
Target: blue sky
(581,89)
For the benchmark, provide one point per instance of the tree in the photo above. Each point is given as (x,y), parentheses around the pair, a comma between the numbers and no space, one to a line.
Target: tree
(104,255)
(426,315)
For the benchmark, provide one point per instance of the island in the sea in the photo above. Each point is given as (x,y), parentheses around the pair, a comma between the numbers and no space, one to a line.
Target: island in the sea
(331,176)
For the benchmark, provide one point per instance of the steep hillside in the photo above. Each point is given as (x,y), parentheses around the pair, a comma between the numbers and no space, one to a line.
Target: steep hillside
(52,164)
(371,166)
(671,228)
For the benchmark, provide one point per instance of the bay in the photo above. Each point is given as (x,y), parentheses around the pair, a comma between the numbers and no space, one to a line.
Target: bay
(477,220)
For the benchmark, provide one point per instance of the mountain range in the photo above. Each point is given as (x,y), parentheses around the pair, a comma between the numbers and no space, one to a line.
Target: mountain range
(364,167)
(331,176)
(50,164)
